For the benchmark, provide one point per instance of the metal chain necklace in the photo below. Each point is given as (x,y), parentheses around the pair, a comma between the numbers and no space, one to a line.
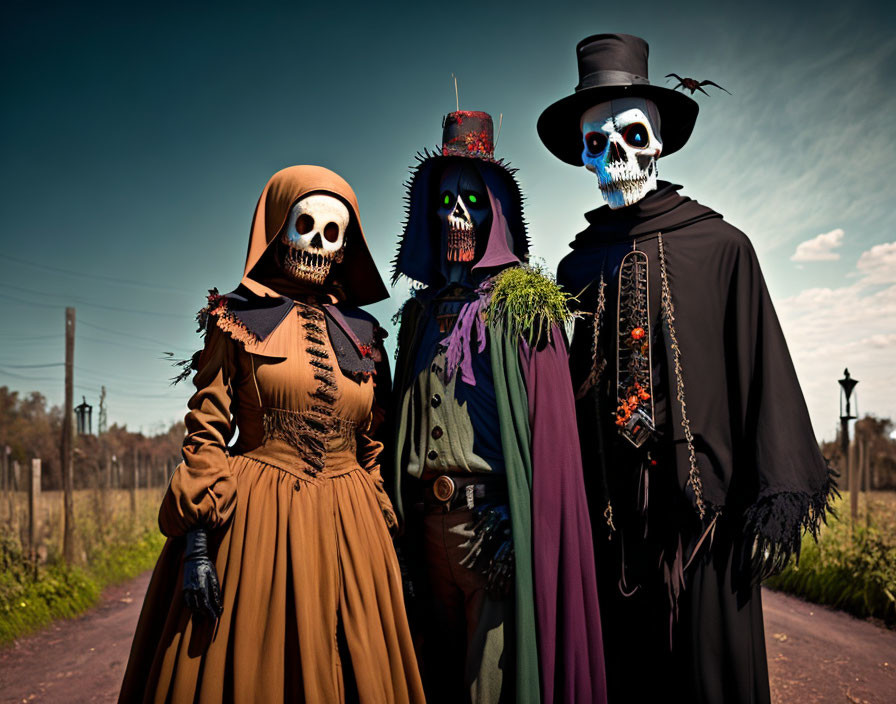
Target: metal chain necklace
(598,361)
(668,313)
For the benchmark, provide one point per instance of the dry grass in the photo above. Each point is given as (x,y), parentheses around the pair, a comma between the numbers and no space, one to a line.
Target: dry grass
(853,565)
(94,508)
(113,544)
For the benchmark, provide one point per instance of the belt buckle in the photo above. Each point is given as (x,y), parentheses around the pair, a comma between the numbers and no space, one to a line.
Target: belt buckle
(443,488)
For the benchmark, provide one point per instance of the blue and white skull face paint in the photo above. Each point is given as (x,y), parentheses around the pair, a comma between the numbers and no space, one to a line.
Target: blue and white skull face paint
(621,146)
(314,235)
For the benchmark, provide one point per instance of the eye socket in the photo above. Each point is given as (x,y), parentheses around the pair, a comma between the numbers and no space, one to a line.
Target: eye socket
(595,142)
(304,224)
(636,135)
(472,198)
(446,198)
(331,232)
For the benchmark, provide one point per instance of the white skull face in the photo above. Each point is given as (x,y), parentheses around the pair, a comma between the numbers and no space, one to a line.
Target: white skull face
(314,235)
(622,144)
(463,208)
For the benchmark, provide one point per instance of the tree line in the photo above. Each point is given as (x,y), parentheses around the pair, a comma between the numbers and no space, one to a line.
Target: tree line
(31,428)
(116,457)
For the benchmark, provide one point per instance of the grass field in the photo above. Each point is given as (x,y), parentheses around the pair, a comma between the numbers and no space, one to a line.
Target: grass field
(853,566)
(113,544)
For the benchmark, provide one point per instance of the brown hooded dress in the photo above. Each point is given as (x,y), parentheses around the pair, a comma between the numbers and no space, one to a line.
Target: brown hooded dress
(299,524)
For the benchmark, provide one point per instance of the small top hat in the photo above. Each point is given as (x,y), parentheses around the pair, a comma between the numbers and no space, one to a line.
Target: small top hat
(468,133)
(467,138)
(613,66)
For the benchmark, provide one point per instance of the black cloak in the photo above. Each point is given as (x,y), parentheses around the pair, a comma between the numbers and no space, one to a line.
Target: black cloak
(695,615)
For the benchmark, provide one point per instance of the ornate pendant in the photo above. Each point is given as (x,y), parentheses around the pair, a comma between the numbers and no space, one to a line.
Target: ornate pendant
(634,364)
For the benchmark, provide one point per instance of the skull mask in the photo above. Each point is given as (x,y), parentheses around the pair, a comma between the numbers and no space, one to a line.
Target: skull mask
(313,238)
(622,144)
(463,209)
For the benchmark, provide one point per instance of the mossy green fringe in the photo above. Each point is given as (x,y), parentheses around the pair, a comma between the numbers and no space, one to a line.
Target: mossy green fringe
(530,300)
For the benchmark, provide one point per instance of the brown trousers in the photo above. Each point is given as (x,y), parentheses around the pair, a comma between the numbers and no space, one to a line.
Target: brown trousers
(468,647)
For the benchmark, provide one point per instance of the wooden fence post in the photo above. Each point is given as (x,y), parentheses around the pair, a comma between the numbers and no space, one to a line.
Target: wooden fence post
(853,480)
(7,482)
(860,465)
(13,488)
(4,471)
(134,484)
(34,508)
(866,470)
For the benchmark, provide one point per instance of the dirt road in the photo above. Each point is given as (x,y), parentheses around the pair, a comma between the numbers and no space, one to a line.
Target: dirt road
(75,661)
(815,654)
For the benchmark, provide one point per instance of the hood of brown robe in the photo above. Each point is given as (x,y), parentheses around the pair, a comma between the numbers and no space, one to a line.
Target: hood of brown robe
(355,281)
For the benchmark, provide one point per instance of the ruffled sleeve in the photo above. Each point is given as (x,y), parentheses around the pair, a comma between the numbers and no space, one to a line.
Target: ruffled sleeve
(370,448)
(202,491)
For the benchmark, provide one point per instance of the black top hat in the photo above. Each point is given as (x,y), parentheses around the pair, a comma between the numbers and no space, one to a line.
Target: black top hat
(613,66)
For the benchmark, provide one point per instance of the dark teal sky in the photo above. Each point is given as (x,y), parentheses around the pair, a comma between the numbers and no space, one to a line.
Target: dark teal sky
(135,142)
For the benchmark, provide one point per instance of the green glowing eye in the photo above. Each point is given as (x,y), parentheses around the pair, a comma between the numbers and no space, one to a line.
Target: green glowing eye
(472,198)
(447,200)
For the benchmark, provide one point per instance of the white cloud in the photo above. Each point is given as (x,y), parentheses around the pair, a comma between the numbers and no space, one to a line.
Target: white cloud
(852,326)
(820,248)
(878,264)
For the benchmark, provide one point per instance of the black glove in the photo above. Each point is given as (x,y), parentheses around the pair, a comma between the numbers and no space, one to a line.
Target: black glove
(202,593)
(491,551)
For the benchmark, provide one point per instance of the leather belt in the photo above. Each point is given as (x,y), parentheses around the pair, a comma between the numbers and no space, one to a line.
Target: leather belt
(452,491)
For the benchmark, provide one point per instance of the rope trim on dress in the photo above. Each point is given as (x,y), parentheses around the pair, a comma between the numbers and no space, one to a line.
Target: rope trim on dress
(311,432)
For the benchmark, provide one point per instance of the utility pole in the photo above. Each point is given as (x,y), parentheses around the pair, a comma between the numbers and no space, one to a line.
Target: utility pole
(68,435)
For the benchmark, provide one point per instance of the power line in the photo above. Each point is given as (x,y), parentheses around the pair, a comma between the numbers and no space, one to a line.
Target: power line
(30,378)
(121,344)
(33,366)
(89,304)
(95,277)
(118,395)
(28,338)
(30,303)
(130,336)
(118,377)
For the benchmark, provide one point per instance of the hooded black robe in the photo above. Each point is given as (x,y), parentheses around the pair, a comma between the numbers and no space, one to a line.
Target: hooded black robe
(692,632)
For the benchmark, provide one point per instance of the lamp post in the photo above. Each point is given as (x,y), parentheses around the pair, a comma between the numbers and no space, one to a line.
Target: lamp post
(847,386)
(84,416)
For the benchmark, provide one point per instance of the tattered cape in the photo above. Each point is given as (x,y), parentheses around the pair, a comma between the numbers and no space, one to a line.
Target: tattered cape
(756,451)
(558,639)
(251,320)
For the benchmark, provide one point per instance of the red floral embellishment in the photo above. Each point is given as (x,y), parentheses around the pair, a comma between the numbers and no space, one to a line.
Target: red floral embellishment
(637,397)
(366,351)
(638,333)
(478,142)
